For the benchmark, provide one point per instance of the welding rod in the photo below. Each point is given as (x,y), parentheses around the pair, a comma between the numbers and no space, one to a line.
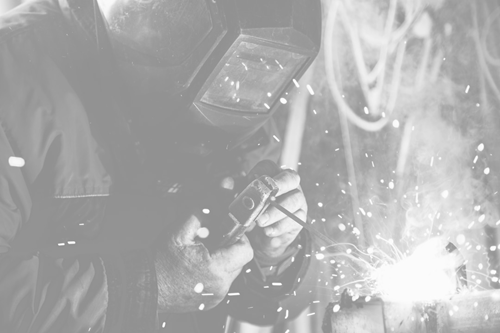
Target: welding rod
(306,226)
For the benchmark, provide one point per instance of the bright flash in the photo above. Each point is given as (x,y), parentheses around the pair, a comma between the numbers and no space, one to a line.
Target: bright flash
(427,275)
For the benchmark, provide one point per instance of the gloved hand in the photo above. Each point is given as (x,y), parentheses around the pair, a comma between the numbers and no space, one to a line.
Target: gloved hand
(186,270)
(276,231)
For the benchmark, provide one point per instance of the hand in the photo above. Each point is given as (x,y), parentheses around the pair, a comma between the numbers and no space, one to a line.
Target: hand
(277,231)
(186,270)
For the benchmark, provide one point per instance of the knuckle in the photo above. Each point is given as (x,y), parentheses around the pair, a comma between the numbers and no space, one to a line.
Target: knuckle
(294,228)
(278,229)
(297,199)
(292,176)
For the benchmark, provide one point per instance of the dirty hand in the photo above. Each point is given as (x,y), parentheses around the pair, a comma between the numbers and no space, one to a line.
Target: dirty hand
(186,270)
(275,231)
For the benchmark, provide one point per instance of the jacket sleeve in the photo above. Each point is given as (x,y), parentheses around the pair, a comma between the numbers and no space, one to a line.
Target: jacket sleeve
(79,284)
(69,285)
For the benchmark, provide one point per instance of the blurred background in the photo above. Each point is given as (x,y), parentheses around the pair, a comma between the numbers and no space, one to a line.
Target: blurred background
(5,5)
(395,133)
(400,139)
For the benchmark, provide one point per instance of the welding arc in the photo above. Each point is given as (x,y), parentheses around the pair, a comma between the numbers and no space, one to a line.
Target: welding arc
(306,226)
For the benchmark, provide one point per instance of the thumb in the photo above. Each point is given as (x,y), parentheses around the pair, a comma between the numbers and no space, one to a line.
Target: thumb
(265,167)
(188,231)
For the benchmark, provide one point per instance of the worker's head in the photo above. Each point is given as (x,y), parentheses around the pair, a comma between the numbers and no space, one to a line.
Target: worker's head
(219,65)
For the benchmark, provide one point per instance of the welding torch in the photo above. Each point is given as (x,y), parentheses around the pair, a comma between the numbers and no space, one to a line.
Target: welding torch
(305,225)
(247,207)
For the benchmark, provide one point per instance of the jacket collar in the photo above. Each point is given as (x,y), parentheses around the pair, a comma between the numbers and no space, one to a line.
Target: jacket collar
(85,18)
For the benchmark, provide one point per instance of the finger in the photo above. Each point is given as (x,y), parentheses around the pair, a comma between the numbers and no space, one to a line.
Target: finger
(285,226)
(287,180)
(292,201)
(188,232)
(235,256)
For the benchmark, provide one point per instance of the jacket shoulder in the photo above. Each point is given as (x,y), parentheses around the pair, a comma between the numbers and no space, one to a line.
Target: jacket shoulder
(28,16)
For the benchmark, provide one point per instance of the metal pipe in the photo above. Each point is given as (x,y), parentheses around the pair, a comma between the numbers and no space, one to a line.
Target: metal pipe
(472,312)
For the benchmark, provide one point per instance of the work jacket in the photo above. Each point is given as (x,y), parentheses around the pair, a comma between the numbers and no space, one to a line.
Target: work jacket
(79,208)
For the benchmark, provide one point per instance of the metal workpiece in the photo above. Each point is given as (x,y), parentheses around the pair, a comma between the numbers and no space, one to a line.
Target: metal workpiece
(471,312)
(477,312)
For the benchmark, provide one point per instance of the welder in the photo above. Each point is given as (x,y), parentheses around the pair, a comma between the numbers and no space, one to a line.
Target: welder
(127,126)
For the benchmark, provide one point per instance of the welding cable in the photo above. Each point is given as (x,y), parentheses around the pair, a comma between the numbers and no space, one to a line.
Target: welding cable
(481,56)
(332,82)
(412,12)
(486,31)
(377,74)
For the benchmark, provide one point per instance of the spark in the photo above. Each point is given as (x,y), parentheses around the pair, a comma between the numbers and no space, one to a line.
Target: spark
(203,232)
(16,162)
(296,83)
(311,91)
(199,288)
(395,123)
(320,256)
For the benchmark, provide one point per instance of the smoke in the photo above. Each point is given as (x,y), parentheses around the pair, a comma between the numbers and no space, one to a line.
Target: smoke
(446,192)
(432,171)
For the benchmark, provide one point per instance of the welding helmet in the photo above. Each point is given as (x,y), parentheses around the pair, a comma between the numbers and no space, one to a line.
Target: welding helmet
(212,71)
